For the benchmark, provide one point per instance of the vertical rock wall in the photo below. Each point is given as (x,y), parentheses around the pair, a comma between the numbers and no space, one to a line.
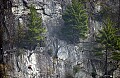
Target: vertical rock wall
(38,63)
(65,57)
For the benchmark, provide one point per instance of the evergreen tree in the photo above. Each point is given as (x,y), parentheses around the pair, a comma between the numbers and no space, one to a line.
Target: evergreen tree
(35,26)
(75,20)
(108,37)
(109,44)
(35,30)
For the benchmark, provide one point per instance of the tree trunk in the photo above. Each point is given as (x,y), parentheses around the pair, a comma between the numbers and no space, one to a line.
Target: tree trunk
(106,64)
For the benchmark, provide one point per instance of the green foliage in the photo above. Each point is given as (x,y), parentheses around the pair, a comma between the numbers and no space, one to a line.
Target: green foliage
(102,14)
(29,38)
(98,54)
(20,31)
(76,69)
(75,20)
(68,75)
(20,35)
(116,56)
(35,26)
(35,30)
(108,38)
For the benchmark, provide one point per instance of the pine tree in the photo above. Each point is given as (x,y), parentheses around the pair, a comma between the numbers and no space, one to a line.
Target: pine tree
(75,20)
(109,44)
(108,37)
(35,26)
(35,30)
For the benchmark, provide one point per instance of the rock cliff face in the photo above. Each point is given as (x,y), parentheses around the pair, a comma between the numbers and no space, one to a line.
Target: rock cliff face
(56,58)
(39,63)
